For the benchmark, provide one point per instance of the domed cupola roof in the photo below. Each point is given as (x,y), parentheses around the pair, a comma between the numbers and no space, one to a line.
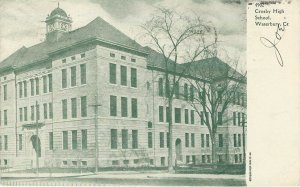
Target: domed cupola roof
(58,11)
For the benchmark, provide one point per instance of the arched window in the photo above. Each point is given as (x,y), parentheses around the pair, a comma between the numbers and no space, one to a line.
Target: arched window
(160,87)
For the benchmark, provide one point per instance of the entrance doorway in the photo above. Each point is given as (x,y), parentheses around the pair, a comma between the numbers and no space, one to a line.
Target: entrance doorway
(178,148)
(36,144)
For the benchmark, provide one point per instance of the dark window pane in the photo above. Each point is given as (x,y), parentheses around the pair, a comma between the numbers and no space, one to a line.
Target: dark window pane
(113,138)
(112,73)
(64,78)
(83,74)
(50,82)
(74,139)
(65,140)
(161,113)
(134,108)
(134,139)
(51,140)
(74,107)
(64,109)
(84,139)
(124,75)
(83,106)
(160,87)
(133,77)
(113,105)
(124,138)
(177,115)
(73,76)
(150,141)
(161,140)
(124,107)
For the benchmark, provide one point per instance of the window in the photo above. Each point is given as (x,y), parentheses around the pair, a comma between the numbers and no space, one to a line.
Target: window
(83,73)
(133,77)
(124,75)
(124,112)
(187,159)
(187,142)
(149,124)
(176,90)
(192,139)
(112,54)
(177,115)
(123,57)
(202,140)
(208,158)
(21,114)
(64,78)
(37,86)
(65,140)
(185,92)
(50,140)
(191,93)
(167,88)
(5,117)
(220,118)
(0,144)
(64,109)
(50,110)
(192,117)
(243,119)
(133,60)
(161,140)
(194,159)
(20,142)
(236,158)
(136,161)
(45,111)
(73,76)
(74,139)
(234,140)
(162,161)
(203,158)
(32,113)
(168,116)
(73,57)
(32,87)
(5,92)
(64,60)
(82,55)
(5,142)
(113,139)
(45,84)
(113,105)
(20,89)
(134,139)
(240,157)
(239,140)
(160,87)
(83,106)
(38,112)
(84,139)
(161,113)
(112,73)
(25,88)
(220,140)
(207,140)
(134,108)
(202,118)
(74,107)
(234,118)
(124,139)
(168,140)
(150,141)
(126,162)
(186,116)
(50,82)
(25,114)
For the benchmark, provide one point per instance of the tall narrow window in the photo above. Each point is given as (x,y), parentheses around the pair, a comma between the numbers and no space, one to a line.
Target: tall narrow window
(160,87)
(25,88)
(74,139)
(207,140)
(5,142)
(32,87)
(25,114)
(234,118)
(124,139)
(134,139)
(186,116)
(50,110)
(5,117)
(50,140)
(74,107)
(161,113)
(239,118)
(83,73)
(239,140)
(161,140)
(113,139)
(220,121)
(234,140)
(84,139)
(177,115)
(187,138)
(192,117)
(150,141)
(168,114)
(20,142)
(32,113)
(192,139)
(113,105)
(124,75)
(134,108)
(124,112)
(112,73)
(65,140)
(73,76)
(167,92)
(45,110)
(64,78)
(5,92)
(192,93)
(202,140)
(20,89)
(220,140)
(133,77)
(185,92)
(168,139)
(176,90)
(50,82)
(45,84)
(0,143)
(64,109)
(21,114)
(83,106)
(38,112)
(37,86)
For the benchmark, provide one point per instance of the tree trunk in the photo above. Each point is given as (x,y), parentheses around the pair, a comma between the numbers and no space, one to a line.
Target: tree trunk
(170,150)
(213,151)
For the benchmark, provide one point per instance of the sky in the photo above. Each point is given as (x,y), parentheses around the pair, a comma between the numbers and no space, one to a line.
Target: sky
(22,21)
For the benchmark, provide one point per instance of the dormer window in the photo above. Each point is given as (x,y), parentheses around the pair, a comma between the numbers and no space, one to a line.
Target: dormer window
(82,55)
(73,58)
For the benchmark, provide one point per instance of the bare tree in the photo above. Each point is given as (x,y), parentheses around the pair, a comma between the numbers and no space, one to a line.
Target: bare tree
(179,38)
(219,86)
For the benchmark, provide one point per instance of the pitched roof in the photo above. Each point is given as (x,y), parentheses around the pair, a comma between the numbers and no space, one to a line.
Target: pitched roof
(97,29)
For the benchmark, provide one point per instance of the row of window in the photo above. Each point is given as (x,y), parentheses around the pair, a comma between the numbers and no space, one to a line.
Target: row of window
(124,107)
(113,55)
(74,138)
(4,146)
(73,76)
(82,55)
(125,139)
(123,75)
(74,111)
(239,118)
(4,118)
(74,163)
(35,111)
(205,118)
(188,119)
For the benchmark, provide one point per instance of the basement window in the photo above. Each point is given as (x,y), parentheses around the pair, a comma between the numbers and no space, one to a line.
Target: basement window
(74,163)
(136,161)
(65,163)
(115,162)
(84,163)
(126,162)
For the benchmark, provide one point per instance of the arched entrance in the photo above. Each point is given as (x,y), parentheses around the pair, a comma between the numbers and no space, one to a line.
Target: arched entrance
(178,149)
(36,144)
